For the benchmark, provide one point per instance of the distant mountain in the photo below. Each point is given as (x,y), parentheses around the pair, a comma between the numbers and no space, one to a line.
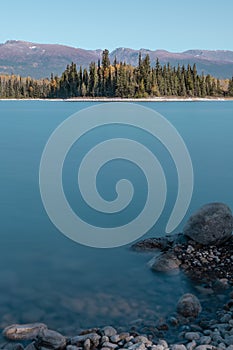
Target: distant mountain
(218,63)
(39,60)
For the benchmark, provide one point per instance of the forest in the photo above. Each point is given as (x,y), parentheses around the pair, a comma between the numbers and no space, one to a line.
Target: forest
(118,79)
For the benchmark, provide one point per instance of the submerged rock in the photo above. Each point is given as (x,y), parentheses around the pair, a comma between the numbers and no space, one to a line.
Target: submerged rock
(166,262)
(211,224)
(23,331)
(188,306)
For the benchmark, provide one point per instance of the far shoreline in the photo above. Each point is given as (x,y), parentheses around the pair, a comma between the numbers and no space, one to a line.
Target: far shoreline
(117,99)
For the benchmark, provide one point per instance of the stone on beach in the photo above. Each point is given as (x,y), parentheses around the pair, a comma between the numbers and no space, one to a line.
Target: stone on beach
(12,346)
(23,331)
(109,331)
(50,339)
(211,224)
(93,337)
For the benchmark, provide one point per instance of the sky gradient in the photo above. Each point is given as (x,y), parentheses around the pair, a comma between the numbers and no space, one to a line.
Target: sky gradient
(171,25)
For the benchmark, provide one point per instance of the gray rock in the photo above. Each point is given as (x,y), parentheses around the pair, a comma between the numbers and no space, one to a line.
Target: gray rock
(192,336)
(109,345)
(178,347)
(211,224)
(94,338)
(205,339)
(12,346)
(104,339)
(109,331)
(159,243)
(142,339)
(163,343)
(204,347)
(129,338)
(31,346)
(115,338)
(128,344)
(124,335)
(189,306)
(87,344)
(50,339)
(137,346)
(23,331)
(166,262)
(72,347)
(191,345)
(228,339)
(159,347)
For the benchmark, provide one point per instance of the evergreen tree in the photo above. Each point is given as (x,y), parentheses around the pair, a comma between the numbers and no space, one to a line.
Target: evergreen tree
(230,87)
(105,59)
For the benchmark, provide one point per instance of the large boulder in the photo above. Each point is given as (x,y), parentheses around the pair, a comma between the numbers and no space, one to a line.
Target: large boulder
(211,224)
(188,306)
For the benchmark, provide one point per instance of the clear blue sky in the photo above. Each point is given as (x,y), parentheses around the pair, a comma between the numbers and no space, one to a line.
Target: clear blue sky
(174,25)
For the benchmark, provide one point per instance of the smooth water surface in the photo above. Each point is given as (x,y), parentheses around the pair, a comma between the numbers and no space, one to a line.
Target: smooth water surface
(47,277)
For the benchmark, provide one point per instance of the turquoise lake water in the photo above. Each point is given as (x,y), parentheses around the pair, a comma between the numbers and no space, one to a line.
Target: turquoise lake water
(47,277)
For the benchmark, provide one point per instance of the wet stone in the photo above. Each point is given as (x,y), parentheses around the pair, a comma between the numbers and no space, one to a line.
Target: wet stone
(137,346)
(31,346)
(189,306)
(115,338)
(50,339)
(23,331)
(72,347)
(109,345)
(178,347)
(12,346)
(87,344)
(192,336)
(166,262)
(191,345)
(94,337)
(109,331)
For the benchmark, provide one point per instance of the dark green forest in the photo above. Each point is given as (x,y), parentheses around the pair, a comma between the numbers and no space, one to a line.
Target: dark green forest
(118,79)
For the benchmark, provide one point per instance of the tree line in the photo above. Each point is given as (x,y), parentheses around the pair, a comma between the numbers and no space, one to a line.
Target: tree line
(118,79)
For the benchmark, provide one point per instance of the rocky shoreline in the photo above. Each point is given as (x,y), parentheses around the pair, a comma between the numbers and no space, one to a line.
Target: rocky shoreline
(194,328)
(204,253)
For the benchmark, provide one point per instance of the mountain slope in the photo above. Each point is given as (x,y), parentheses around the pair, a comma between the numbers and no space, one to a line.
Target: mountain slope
(39,60)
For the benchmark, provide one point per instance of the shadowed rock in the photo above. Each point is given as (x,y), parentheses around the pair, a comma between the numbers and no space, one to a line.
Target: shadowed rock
(188,306)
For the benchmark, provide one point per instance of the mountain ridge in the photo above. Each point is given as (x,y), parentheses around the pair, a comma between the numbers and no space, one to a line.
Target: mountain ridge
(40,60)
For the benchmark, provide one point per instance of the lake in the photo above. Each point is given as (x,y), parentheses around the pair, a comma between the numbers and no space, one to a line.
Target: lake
(49,278)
